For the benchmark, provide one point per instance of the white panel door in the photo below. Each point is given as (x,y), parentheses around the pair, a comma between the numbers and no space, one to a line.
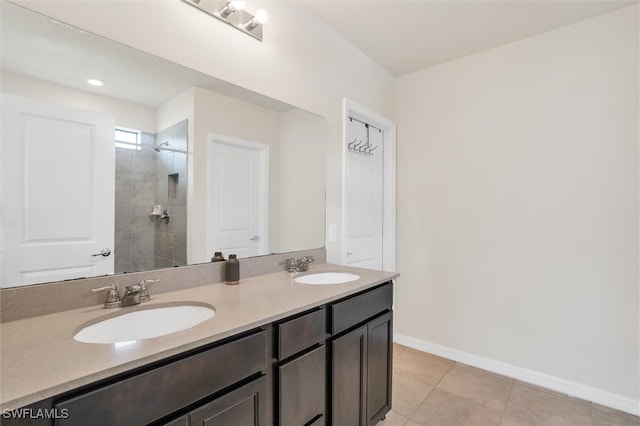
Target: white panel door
(364,196)
(237,208)
(58,179)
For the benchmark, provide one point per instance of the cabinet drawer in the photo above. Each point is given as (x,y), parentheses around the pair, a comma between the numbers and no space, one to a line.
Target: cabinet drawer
(300,333)
(347,313)
(149,396)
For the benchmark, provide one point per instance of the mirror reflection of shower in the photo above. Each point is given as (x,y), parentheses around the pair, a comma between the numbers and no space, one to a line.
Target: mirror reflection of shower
(154,174)
(167,147)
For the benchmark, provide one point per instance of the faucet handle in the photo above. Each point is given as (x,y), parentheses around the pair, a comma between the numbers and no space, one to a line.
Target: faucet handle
(290,264)
(144,292)
(303,263)
(113,297)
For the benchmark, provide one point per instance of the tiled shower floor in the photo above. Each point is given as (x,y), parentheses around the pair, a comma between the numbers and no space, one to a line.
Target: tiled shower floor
(433,391)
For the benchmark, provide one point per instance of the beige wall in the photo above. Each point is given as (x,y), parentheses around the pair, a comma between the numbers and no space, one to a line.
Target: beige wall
(301,61)
(296,141)
(518,204)
(302,170)
(222,115)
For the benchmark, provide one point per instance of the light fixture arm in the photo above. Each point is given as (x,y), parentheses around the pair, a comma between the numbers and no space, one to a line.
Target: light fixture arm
(233,13)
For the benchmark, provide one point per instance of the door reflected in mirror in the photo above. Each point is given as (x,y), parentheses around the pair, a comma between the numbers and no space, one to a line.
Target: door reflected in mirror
(176,193)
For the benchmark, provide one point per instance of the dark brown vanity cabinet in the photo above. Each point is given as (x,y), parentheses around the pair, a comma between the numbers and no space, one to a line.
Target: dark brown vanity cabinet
(330,365)
(300,369)
(361,358)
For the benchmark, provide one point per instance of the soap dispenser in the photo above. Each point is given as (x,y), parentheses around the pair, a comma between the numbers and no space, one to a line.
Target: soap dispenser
(218,257)
(232,270)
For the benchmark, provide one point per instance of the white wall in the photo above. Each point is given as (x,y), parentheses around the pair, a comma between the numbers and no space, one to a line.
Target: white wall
(518,206)
(301,61)
(127,114)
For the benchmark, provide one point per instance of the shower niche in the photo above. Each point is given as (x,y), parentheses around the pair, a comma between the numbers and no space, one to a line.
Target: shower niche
(151,202)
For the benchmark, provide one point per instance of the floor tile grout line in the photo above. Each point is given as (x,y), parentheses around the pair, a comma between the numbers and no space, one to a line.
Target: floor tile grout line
(513,382)
(431,391)
(593,419)
(428,384)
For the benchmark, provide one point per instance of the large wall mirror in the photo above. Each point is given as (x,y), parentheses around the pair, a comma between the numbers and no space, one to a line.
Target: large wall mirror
(154,166)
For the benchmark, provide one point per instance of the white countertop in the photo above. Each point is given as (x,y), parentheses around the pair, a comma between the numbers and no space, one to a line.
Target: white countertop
(39,357)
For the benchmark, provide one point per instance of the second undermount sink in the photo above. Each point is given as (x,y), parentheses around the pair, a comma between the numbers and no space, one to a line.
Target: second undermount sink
(145,324)
(324,278)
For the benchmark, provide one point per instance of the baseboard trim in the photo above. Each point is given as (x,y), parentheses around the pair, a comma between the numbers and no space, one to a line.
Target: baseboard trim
(557,384)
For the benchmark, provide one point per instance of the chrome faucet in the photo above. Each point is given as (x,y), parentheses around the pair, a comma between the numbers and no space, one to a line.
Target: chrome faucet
(133,294)
(300,265)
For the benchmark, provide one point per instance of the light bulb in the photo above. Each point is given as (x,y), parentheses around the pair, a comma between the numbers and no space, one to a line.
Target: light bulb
(95,82)
(238,5)
(262,16)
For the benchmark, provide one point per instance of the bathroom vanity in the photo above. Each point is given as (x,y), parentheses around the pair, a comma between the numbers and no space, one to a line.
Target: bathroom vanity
(276,352)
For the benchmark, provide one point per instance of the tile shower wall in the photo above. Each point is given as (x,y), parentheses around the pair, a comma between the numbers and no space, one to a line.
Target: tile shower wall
(134,200)
(146,178)
(171,194)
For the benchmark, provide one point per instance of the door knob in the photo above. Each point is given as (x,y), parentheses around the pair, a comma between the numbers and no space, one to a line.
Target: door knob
(255,238)
(104,252)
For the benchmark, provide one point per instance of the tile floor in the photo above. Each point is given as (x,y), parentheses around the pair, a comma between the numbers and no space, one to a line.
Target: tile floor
(433,391)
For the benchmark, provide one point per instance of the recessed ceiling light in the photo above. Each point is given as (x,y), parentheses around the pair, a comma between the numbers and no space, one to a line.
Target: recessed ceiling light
(95,82)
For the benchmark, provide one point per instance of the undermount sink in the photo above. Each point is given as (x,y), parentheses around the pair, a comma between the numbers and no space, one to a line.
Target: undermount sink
(145,324)
(324,278)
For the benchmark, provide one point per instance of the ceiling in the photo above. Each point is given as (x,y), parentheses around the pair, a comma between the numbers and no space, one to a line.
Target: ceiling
(409,35)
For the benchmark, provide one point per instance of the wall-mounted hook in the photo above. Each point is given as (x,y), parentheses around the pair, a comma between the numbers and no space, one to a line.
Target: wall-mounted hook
(350,146)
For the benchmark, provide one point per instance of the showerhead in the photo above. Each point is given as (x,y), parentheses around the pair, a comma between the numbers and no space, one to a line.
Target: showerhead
(157,148)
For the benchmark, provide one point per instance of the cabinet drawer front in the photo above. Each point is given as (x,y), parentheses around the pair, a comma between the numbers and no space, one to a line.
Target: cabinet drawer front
(359,308)
(302,387)
(149,396)
(300,333)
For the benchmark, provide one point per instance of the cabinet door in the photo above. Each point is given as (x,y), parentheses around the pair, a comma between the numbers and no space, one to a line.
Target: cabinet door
(245,406)
(302,389)
(349,378)
(379,367)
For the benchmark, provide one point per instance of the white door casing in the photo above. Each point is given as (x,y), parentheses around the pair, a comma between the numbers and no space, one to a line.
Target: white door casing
(237,189)
(58,183)
(388,127)
(364,196)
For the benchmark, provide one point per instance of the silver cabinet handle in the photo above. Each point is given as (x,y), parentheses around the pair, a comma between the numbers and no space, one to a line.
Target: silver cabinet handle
(104,252)
(255,238)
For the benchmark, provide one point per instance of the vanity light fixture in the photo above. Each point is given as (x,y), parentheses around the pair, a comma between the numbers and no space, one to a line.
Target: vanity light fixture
(234,14)
(231,7)
(261,17)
